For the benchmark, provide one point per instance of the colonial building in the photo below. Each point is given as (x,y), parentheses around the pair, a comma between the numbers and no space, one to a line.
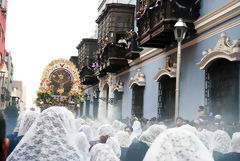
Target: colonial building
(142,83)
(3,14)
(19,95)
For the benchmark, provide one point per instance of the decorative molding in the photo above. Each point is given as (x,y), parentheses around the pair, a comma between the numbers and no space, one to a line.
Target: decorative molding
(138,79)
(226,12)
(101,3)
(118,86)
(168,69)
(108,79)
(223,49)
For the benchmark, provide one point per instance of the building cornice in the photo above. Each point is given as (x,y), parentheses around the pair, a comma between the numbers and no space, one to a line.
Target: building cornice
(227,11)
(101,4)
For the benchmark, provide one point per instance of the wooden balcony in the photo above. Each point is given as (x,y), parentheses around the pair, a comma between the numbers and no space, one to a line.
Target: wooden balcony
(87,76)
(156,20)
(113,59)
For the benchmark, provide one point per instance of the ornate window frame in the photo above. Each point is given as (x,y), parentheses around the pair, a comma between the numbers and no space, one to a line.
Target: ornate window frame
(223,49)
(138,79)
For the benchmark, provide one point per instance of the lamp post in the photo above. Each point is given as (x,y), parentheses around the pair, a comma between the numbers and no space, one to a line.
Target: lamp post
(180,30)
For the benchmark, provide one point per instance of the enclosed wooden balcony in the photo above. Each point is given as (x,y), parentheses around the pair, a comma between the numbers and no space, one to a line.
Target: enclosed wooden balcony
(156,20)
(116,38)
(87,76)
(113,58)
(87,51)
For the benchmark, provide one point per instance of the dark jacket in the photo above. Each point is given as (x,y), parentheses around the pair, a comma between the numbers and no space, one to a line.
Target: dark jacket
(123,153)
(230,157)
(136,151)
(13,142)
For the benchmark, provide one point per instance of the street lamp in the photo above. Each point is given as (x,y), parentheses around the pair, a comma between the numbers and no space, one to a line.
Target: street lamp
(180,30)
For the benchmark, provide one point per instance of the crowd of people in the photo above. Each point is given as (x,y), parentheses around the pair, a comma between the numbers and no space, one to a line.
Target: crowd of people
(56,135)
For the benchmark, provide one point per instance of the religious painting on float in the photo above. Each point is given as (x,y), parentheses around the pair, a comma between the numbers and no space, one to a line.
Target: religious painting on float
(60,85)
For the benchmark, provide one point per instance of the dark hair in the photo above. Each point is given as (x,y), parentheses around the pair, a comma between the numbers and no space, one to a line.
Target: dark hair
(179,118)
(201,108)
(129,128)
(2,131)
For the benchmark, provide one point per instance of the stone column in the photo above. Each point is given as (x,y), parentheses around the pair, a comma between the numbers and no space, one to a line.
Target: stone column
(102,105)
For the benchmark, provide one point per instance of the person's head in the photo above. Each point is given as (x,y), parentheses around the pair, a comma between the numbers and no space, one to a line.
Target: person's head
(235,143)
(212,126)
(151,133)
(121,38)
(129,129)
(4,142)
(221,142)
(177,144)
(153,120)
(179,121)
(200,108)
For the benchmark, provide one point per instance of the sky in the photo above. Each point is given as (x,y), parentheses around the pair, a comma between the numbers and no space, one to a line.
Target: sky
(40,31)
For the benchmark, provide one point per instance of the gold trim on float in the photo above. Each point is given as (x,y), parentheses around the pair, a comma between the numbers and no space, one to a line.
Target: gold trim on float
(61,64)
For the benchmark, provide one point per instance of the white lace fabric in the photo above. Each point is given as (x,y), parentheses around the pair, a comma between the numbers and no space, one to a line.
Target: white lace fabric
(113,143)
(123,139)
(235,143)
(221,142)
(105,129)
(79,122)
(177,145)
(151,133)
(137,130)
(102,152)
(27,121)
(200,135)
(53,137)
(118,126)
(83,146)
(20,118)
(87,130)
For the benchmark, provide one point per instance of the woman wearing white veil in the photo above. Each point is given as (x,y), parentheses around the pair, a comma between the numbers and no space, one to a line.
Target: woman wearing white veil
(87,130)
(53,136)
(27,122)
(234,154)
(83,146)
(220,144)
(137,130)
(118,126)
(124,141)
(102,152)
(105,129)
(138,148)
(177,145)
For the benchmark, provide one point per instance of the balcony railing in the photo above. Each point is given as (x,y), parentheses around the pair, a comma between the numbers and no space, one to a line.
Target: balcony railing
(87,76)
(156,20)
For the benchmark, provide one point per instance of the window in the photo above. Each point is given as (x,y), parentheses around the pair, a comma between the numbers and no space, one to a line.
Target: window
(166,98)
(137,101)
(222,89)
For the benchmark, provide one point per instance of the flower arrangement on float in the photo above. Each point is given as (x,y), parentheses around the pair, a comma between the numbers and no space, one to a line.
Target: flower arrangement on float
(44,92)
(76,92)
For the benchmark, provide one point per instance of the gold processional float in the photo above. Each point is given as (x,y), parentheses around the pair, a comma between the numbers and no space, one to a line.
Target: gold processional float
(60,86)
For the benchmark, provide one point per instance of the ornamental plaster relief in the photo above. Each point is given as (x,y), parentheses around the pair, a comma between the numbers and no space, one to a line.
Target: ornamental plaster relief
(138,79)
(168,69)
(223,49)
